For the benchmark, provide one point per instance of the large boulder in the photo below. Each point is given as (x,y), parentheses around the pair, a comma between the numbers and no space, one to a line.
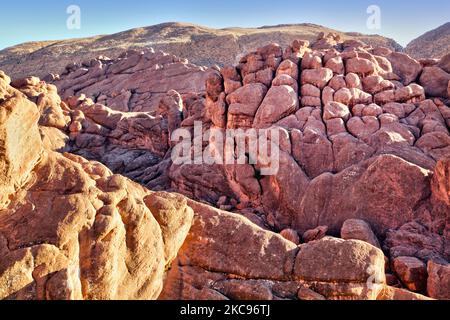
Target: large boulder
(243,105)
(444,63)
(412,272)
(336,110)
(54,113)
(416,240)
(289,68)
(384,191)
(280,102)
(317,77)
(438,280)
(435,81)
(212,264)
(397,294)
(282,192)
(407,68)
(215,100)
(375,84)
(354,229)
(360,66)
(330,263)
(441,181)
(213,252)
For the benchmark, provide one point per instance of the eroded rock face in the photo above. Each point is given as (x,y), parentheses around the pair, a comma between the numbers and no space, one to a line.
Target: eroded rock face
(353,135)
(135,81)
(91,235)
(212,263)
(415,240)
(354,125)
(359,140)
(20,142)
(74,230)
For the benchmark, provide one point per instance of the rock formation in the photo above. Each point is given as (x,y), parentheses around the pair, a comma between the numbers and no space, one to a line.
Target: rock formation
(135,81)
(69,228)
(212,265)
(363,154)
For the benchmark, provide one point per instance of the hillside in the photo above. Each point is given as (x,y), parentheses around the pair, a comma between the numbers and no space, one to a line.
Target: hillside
(200,45)
(433,44)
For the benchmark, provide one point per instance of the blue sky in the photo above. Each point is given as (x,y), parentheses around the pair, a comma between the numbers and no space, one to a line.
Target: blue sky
(23,21)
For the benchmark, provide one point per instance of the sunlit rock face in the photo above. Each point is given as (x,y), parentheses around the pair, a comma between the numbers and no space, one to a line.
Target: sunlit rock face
(69,228)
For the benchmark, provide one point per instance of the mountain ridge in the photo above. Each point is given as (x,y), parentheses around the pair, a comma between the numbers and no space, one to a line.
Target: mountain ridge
(432,44)
(199,44)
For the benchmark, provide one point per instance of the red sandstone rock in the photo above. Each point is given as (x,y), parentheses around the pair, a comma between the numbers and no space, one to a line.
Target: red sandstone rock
(285,80)
(232,79)
(280,102)
(335,110)
(243,105)
(448,89)
(360,66)
(406,67)
(310,91)
(363,124)
(317,77)
(309,295)
(414,240)
(147,74)
(438,281)
(291,235)
(376,84)
(435,81)
(412,272)
(441,181)
(20,140)
(392,293)
(361,160)
(210,247)
(336,64)
(289,68)
(316,234)
(444,63)
(311,61)
(353,262)
(354,229)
